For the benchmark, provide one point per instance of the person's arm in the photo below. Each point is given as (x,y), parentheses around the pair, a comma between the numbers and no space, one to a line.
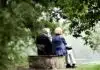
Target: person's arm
(64,41)
(38,43)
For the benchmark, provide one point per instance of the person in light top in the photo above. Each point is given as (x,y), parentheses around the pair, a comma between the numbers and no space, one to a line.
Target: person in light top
(70,59)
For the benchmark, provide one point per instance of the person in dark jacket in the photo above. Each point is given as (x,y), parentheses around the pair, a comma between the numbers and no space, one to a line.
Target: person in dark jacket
(44,47)
(43,42)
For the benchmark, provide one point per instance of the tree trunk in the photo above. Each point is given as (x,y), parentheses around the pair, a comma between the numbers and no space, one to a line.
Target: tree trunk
(2,3)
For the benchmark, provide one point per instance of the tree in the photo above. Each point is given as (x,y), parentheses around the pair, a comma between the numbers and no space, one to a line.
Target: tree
(83,14)
(93,39)
(19,20)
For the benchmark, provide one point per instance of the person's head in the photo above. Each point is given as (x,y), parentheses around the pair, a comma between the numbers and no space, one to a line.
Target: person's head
(58,30)
(45,30)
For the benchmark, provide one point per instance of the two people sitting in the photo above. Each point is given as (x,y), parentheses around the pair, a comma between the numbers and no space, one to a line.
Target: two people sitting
(56,45)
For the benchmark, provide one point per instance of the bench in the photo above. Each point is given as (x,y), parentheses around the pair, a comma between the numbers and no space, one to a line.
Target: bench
(46,62)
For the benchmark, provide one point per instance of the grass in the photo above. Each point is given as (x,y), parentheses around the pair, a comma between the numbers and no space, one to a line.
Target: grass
(79,67)
(88,67)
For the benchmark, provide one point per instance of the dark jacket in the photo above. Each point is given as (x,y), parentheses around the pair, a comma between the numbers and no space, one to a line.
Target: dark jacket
(59,45)
(44,45)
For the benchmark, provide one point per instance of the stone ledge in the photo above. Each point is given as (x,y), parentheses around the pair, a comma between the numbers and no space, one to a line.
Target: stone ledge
(46,62)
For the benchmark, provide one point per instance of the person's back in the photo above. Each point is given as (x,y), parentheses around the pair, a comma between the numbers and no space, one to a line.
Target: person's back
(59,43)
(43,43)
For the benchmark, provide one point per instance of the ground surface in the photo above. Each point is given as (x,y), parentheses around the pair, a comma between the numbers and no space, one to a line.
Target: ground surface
(79,67)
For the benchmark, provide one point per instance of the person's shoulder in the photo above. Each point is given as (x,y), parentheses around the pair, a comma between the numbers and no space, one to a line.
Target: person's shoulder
(61,36)
(44,37)
(40,36)
(53,36)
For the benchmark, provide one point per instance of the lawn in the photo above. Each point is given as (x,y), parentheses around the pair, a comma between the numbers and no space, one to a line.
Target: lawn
(79,67)
(88,67)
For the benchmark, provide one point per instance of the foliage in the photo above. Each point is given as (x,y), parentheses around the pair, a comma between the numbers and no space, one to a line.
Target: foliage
(18,24)
(83,14)
(93,38)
